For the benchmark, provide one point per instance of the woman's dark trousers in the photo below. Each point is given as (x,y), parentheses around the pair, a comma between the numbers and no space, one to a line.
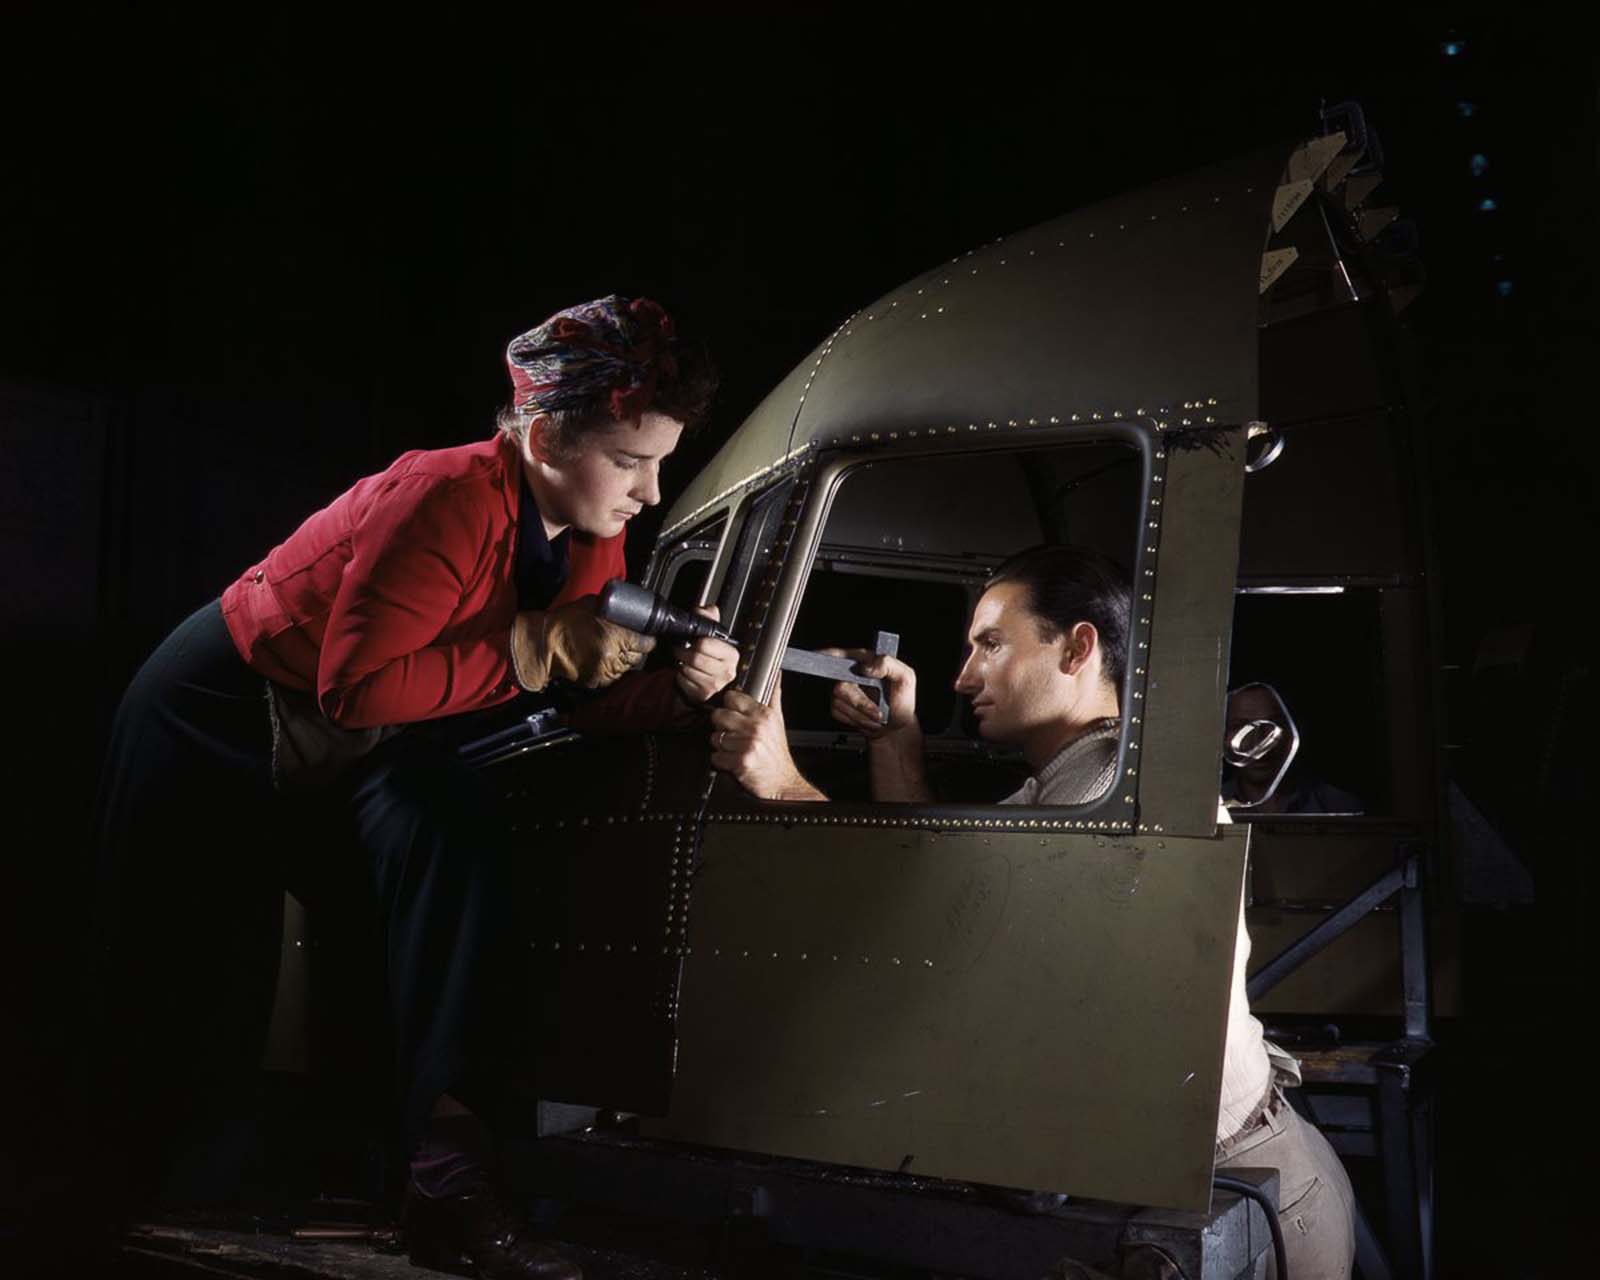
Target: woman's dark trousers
(194,851)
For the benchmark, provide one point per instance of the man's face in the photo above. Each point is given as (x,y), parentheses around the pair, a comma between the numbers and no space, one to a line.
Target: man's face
(1017,682)
(612,474)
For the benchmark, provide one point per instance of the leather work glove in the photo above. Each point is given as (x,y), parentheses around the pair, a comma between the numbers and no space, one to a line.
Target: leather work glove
(571,643)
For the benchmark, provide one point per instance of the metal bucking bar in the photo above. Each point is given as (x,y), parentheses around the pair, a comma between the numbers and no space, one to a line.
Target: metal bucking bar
(808,662)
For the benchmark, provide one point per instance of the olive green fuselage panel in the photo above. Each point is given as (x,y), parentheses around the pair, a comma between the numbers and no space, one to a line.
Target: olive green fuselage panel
(1022,1008)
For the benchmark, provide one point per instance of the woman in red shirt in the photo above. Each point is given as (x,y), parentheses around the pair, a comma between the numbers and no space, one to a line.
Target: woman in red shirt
(451,582)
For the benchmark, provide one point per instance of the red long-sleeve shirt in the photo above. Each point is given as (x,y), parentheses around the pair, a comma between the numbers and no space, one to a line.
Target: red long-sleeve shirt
(395,601)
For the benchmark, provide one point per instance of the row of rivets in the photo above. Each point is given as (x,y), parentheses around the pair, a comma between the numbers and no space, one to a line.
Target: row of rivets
(679,862)
(790,459)
(826,348)
(602,948)
(925,823)
(649,772)
(744,954)
(1092,415)
(561,824)
(1061,244)
(762,604)
(1153,525)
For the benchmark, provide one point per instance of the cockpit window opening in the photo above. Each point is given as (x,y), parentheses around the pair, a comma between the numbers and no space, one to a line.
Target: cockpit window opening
(907,548)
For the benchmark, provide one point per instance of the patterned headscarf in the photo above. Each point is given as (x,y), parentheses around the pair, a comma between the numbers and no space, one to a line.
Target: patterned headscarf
(614,347)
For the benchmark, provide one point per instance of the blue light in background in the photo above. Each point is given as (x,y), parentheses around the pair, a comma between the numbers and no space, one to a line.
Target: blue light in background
(1503,288)
(1487,205)
(1466,110)
(1452,48)
(1480,165)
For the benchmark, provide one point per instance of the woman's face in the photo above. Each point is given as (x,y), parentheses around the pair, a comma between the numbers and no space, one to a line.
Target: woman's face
(611,475)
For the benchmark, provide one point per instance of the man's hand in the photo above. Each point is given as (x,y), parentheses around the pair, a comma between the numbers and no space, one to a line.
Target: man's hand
(894,748)
(855,708)
(748,741)
(706,666)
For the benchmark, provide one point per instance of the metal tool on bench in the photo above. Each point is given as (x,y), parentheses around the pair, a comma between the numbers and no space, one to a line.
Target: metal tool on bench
(384,1239)
(807,662)
(541,729)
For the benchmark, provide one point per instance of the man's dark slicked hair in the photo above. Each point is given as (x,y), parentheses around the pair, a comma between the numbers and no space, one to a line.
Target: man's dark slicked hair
(1068,585)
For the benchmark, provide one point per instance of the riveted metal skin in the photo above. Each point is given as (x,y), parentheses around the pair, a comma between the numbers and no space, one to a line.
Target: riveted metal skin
(1191,630)
(1148,299)
(834,959)
(1081,329)
(983,1001)
(601,872)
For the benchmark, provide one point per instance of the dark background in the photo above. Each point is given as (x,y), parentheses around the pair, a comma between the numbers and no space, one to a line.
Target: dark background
(242,264)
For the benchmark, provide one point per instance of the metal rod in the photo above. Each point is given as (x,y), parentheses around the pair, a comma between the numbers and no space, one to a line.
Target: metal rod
(1399,1170)
(1298,952)
(513,749)
(541,723)
(386,1238)
(1414,953)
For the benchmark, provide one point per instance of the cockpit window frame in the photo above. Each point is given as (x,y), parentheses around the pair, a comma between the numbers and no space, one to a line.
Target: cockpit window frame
(1117,809)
